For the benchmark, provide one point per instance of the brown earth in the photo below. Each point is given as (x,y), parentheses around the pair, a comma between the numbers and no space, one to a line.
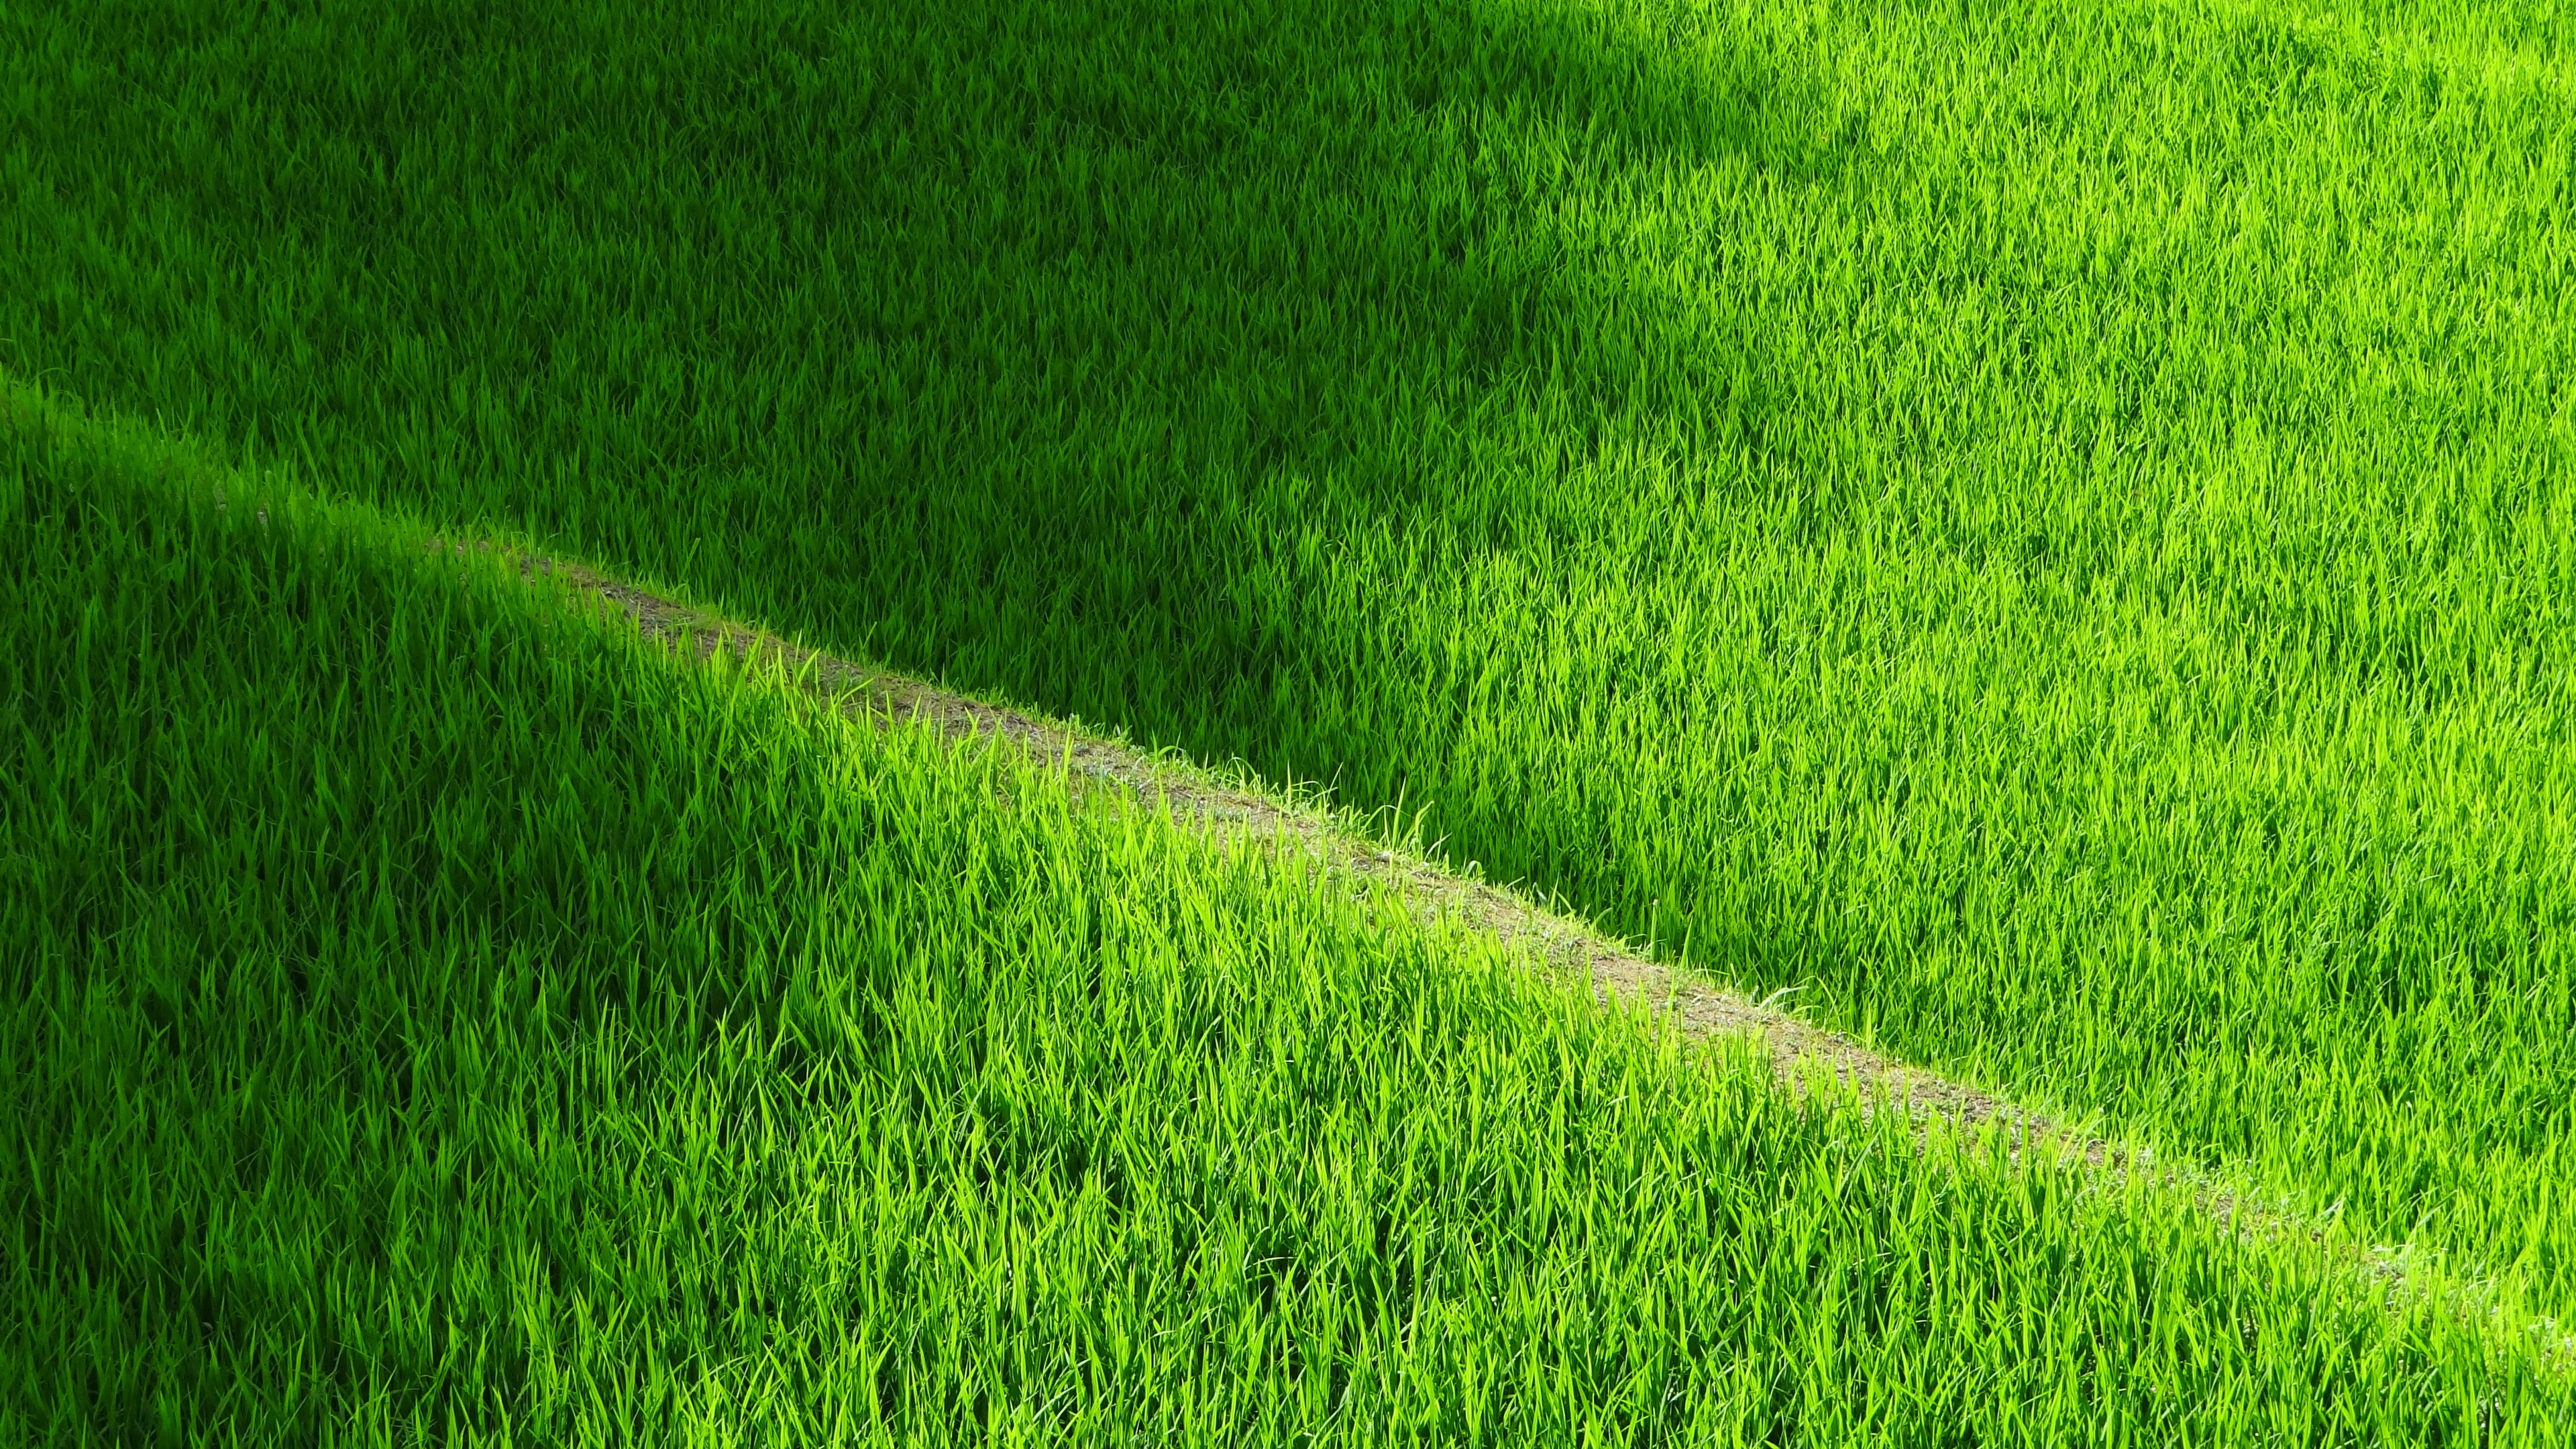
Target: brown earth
(1803,1056)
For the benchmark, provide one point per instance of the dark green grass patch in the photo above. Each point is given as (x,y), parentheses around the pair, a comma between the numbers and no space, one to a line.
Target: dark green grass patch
(2043,529)
(430,1015)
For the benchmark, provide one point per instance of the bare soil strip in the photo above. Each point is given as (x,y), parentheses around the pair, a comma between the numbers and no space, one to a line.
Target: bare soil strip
(1803,1055)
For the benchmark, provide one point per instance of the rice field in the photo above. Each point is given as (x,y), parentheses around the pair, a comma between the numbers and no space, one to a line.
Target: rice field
(2038,535)
(450,1019)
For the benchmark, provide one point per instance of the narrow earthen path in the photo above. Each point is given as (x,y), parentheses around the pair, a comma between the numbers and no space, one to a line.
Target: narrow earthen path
(1802,1054)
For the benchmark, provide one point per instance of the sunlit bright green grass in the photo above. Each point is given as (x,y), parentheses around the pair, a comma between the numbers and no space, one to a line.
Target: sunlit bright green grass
(2045,528)
(430,1015)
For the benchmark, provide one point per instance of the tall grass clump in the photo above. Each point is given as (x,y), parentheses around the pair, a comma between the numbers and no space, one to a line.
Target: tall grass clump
(2040,530)
(429,1014)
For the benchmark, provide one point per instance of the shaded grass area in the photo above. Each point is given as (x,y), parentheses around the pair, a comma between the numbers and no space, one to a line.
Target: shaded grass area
(429,1014)
(2043,530)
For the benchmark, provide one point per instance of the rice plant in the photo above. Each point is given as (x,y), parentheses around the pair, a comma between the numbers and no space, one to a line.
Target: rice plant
(431,1014)
(2042,530)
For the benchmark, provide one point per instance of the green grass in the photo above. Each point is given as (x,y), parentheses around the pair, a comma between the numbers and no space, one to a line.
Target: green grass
(2044,529)
(433,1015)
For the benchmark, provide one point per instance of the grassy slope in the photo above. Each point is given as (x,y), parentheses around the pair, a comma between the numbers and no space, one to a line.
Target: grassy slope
(429,1011)
(2045,527)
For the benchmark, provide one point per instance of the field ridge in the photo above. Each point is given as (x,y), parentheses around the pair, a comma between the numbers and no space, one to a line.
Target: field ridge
(1804,1057)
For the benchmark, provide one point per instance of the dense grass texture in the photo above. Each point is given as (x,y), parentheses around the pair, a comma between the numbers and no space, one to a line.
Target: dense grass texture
(2042,529)
(433,1015)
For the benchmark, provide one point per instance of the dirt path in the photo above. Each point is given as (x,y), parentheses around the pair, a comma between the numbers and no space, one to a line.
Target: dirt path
(1799,1050)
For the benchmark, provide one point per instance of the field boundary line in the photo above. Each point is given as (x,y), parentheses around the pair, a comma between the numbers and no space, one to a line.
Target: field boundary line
(1805,1058)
